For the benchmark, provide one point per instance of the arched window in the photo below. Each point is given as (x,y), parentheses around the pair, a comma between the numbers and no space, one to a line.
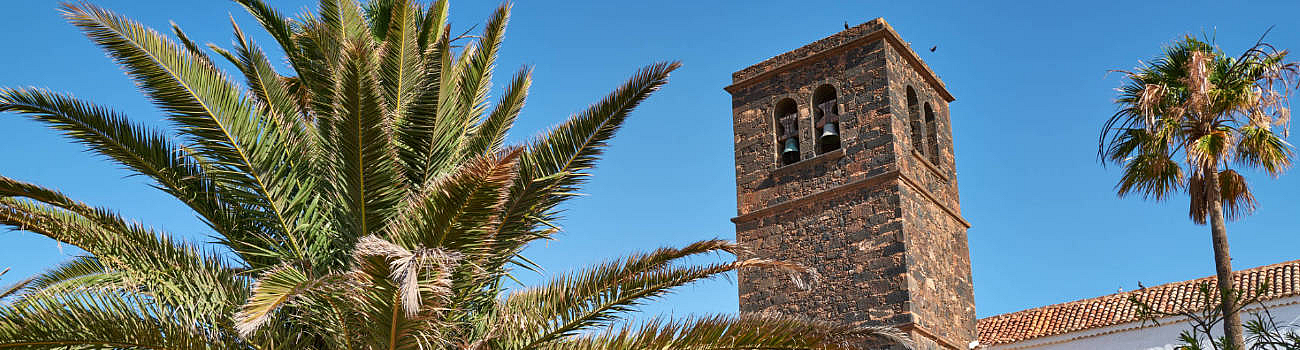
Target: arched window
(787,131)
(932,138)
(826,118)
(915,122)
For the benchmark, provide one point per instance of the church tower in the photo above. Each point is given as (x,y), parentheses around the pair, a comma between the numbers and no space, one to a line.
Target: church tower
(844,163)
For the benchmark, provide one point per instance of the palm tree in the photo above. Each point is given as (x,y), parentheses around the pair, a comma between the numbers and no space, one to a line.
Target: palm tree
(1198,108)
(364,201)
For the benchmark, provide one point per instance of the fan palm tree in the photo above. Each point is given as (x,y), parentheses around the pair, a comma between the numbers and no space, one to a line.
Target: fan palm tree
(1186,119)
(363,201)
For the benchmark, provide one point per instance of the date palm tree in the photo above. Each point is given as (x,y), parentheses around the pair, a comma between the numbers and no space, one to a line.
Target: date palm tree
(1186,119)
(364,200)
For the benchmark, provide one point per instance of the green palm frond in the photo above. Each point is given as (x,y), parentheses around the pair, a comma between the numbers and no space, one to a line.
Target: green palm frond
(364,176)
(71,269)
(43,220)
(199,98)
(80,273)
(210,110)
(1206,150)
(416,130)
(139,148)
(600,295)
(1131,141)
(149,259)
(321,48)
(480,60)
(589,283)
(99,321)
(452,118)
(14,188)
(268,87)
(146,259)
(1152,175)
(403,61)
(190,46)
(379,15)
(273,289)
(298,158)
(754,331)
(280,28)
(461,210)
(348,19)
(491,133)
(434,24)
(13,288)
(554,165)
(1261,148)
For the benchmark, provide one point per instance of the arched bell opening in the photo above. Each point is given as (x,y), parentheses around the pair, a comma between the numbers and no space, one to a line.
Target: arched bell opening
(931,138)
(915,122)
(826,118)
(787,131)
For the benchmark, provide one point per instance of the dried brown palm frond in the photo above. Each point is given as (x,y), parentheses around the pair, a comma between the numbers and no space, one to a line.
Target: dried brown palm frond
(408,267)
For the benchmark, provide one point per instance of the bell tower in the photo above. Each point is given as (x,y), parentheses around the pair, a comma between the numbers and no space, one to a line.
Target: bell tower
(844,163)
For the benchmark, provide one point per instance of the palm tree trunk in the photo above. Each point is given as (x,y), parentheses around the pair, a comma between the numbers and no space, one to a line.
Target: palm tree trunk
(1223,265)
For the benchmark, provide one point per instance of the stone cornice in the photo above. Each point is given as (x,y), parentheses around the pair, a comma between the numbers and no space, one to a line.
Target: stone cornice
(853,185)
(869,182)
(926,162)
(926,193)
(885,32)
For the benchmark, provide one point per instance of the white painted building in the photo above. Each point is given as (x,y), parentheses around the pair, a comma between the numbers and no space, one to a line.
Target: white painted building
(1113,322)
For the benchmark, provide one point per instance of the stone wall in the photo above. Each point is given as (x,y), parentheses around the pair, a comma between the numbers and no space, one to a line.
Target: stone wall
(938,269)
(854,240)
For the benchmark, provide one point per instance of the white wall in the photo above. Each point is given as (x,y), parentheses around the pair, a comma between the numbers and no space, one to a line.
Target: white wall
(1136,336)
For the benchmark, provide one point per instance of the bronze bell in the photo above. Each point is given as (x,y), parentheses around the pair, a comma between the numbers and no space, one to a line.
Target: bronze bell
(830,137)
(790,153)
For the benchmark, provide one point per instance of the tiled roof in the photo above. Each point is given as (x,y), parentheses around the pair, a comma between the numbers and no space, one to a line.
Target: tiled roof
(1283,280)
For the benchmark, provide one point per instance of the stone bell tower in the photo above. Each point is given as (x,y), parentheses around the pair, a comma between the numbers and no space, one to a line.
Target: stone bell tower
(844,163)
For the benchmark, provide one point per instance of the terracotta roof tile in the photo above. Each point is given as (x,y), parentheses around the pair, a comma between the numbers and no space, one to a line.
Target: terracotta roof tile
(1283,280)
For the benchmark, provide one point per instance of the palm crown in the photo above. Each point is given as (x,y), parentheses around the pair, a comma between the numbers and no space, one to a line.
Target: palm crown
(1197,106)
(364,201)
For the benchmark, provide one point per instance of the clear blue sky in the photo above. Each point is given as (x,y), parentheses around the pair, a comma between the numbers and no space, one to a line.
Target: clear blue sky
(1029,77)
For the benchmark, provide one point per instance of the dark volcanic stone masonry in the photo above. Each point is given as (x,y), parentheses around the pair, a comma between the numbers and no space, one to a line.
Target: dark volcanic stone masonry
(878,218)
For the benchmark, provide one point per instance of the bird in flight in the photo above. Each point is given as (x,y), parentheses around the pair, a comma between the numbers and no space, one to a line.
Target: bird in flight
(932,48)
